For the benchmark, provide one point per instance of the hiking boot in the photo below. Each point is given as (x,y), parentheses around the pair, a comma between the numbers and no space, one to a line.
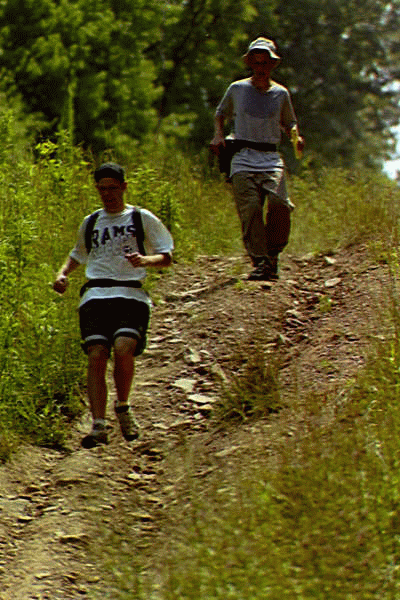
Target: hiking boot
(127,422)
(266,270)
(258,274)
(97,437)
(262,272)
(273,266)
(256,260)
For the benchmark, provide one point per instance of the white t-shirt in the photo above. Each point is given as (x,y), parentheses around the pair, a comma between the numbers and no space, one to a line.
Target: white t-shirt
(113,237)
(257,117)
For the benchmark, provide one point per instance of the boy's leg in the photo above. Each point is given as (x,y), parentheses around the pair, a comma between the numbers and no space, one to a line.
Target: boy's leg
(124,370)
(96,380)
(124,367)
(277,219)
(96,345)
(97,392)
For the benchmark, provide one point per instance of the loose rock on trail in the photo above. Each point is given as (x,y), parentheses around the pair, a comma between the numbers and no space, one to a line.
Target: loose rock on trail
(320,318)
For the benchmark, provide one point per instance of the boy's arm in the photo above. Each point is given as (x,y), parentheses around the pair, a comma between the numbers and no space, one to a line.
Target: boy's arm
(152,260)
(61,282)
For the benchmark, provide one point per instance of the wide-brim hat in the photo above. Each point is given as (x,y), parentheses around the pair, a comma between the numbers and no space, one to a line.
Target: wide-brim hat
(262,44)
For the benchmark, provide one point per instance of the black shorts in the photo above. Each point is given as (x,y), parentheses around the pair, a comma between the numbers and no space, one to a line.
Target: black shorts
(103,320)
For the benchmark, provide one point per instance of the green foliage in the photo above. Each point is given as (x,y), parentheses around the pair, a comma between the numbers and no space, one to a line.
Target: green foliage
(149,190)
(338,60)
(69,62)
(196,55)
(40,363)
(112,72)
(41,207)
(341,208)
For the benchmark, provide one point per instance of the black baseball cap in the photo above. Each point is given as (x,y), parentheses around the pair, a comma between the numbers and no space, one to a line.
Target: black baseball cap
(110,169)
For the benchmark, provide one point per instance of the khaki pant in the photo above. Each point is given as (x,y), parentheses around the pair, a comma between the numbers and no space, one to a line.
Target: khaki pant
(265,225)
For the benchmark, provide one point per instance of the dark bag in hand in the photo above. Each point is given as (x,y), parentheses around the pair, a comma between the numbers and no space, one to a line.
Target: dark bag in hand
(225,155)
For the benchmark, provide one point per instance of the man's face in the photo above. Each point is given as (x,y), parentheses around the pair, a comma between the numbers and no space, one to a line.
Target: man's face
(261,63)
(111,192)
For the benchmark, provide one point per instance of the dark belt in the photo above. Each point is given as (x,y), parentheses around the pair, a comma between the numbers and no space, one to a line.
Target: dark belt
(110,283)
(263,147)
(237,145)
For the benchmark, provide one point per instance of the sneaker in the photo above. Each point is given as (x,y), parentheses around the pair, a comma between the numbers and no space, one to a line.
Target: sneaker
(97,437)
(127,422)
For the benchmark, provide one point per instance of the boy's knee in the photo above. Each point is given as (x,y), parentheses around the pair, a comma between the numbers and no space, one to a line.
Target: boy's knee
(97,353)
(124,346)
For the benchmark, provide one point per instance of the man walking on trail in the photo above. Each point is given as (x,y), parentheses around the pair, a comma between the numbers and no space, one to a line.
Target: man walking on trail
(117,244)
(260,108)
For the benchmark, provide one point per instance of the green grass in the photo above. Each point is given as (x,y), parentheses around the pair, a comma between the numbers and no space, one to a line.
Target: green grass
(336,208)
(320,522)
(323,523)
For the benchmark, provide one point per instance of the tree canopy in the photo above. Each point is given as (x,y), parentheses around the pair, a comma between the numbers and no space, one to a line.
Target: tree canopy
(136,67)
(83,55)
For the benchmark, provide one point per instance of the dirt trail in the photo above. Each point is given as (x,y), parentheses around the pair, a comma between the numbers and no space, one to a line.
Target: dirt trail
(319,317)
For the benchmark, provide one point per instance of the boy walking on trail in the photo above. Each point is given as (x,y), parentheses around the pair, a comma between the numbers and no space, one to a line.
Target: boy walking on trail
(260,108)
(114,311)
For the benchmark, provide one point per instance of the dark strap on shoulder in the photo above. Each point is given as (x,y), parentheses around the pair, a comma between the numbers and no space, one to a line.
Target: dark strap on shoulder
(138,223)
(89,229)
(136,220)
(132,283)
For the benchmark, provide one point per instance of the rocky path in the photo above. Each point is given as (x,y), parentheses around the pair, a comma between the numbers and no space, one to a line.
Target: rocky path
(54,506)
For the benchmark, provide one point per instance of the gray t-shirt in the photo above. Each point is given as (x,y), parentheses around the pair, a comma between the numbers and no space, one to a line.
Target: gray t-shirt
(257,117)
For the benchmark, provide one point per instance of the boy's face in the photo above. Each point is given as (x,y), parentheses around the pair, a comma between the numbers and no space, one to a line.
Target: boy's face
(111,192)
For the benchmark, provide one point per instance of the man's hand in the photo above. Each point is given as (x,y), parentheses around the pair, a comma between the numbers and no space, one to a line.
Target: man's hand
(60,284)
(300,144)
(215,144)
(297,141)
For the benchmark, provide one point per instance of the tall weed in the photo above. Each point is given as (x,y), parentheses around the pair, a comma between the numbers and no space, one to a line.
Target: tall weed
(41,369)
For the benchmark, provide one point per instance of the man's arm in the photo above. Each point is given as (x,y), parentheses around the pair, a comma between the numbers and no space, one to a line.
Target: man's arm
(61,282)
(219,138)
(289,122)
